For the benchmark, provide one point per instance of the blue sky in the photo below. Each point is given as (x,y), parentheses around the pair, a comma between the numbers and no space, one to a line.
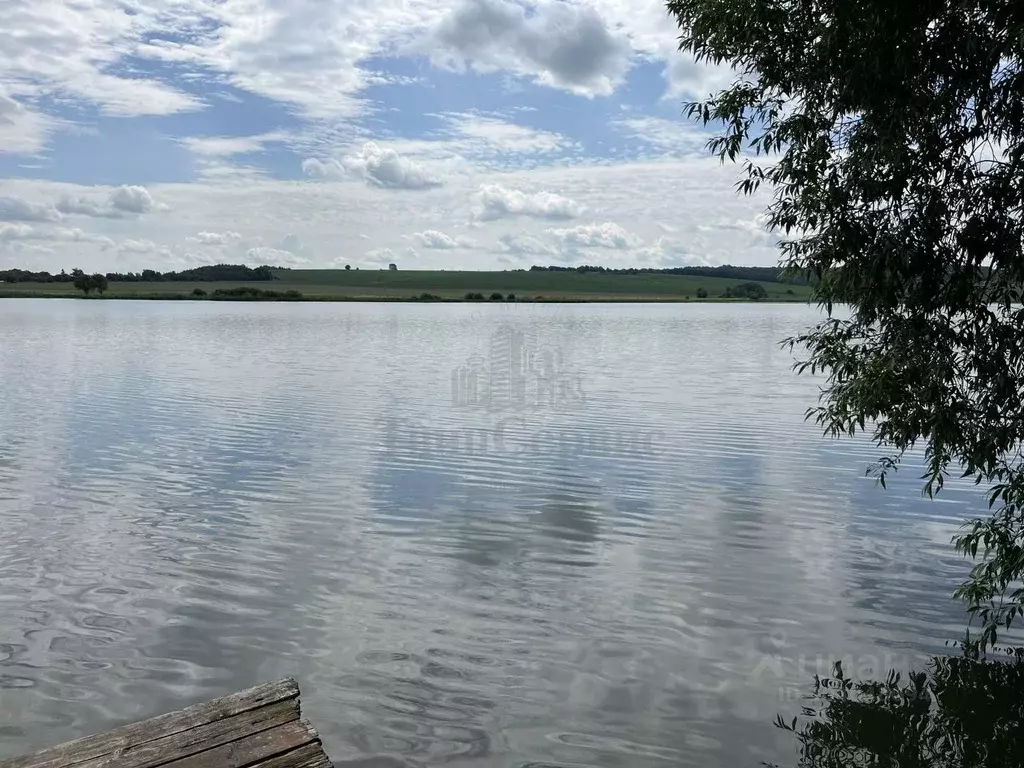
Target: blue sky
(467,134)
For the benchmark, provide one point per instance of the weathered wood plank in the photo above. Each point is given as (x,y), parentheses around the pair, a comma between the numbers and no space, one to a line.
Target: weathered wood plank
(307,756)
(121,739)
(254,749)
(195,740)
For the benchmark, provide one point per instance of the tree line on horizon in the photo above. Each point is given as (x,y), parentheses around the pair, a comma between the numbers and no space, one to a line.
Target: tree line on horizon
(748,274)
(214,273)
(243,273)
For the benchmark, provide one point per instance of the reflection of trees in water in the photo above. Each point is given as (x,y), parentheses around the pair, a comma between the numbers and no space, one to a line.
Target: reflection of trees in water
(961,711)
(559,523)
(434,717)
(569,518)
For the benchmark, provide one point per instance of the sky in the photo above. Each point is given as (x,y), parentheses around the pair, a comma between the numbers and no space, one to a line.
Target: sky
(435,134)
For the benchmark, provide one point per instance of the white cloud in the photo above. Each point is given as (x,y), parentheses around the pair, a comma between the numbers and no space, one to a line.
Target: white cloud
(137,246)
(21,232)
(558,44)
(467,143)
(694,196)
(18,209)
(753,231)
(121,201)
(274,257)
(313,58)
(667,253)
(621,248)
(686,77)
(226,146)
(525,245)
(380,254)
(22,131)
(377,166)
(82,206)
(216,238)
(439,241)
(294,244)
(378,258)
(653,35)
(16,231)
(67,49)
(673,137)
(9,110)
(480,133)
(31,249)
(305,53)
(131,199)
(77,235)
(606,235)
(495,201)
(132,97)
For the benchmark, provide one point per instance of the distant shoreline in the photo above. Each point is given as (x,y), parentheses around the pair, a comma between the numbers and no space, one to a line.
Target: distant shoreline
(526,286)
(407,299)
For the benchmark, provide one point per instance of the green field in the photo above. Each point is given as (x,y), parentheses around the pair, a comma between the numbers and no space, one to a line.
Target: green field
(368,285)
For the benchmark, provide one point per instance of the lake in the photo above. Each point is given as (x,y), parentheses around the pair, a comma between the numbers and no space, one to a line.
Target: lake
(484,535)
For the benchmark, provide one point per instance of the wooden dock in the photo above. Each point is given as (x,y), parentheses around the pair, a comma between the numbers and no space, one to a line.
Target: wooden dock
(261,727)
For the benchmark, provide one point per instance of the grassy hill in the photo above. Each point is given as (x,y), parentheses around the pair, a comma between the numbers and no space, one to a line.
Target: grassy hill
(524,284)
(341,285)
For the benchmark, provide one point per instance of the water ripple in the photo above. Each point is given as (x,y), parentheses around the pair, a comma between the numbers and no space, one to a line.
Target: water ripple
(392,504)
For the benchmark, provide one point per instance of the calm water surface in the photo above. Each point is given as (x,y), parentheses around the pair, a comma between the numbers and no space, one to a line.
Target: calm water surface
(478,535)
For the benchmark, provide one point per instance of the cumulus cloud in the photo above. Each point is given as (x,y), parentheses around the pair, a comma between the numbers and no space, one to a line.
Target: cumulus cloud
(525,245)
(131,199)
(667,253)
(274,257)
(434,240)
(32,249)
(493,201)
(695,196)
(21,232)
(559,44)
(16,231)
(378,166)
(606,235)
(125,200)
(755,231)
(294,244)
(305,53)
(684,76)
(82,206)
(18,209)
(137,246)
(76,235)
(380,256)
(216,238)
